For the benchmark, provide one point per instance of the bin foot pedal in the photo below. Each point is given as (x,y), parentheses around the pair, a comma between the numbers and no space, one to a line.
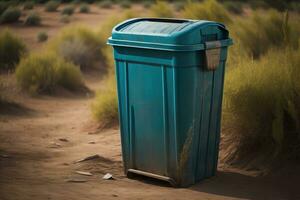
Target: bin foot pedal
(163,178)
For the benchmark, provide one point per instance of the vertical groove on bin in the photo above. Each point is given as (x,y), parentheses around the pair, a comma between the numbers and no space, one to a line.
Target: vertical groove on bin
(165,118)
(198,163)
(218,126)
(175,115)
(211,132)
(204,121)
(128,112)
(198,111)
(118,77)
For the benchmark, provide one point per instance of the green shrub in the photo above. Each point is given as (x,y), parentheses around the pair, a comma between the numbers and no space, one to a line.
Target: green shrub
(11,50)
(179,5)
(65,19)
(28,5)
(3,6)
(262,32)
(52,6)
(77,44)
(294,6)
(147,4)
(42,73)
(10,15)
(234,7)
(84,8)
(33,19)
(106,4)
(161,9)
(76,2)
(68,10)
(105,105)
(261,107)
(208,10)
(125,4)
(256,4)
(42,36)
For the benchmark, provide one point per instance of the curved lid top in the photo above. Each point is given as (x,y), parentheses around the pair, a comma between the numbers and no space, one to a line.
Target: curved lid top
(167,34)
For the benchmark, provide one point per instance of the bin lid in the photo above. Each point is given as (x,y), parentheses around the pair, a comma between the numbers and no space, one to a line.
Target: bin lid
(169,34)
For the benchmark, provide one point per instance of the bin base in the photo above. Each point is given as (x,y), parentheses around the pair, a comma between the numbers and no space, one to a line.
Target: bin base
(163,178)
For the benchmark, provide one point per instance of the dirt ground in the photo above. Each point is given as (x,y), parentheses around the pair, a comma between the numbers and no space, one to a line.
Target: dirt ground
(40,145)
(41,140)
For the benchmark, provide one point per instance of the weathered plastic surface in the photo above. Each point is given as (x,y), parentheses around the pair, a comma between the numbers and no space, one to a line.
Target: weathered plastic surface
(169,100)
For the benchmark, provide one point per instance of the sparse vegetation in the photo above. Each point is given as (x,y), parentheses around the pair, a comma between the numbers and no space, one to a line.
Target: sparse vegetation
(208,10)
(179,5)
(125,4)
(261,105)
(10,15)
(147,4)
(161,9)
(33,19)
(28,5)
(43,73)
(68,10)
(3,6)
(65,19)
(234,7)
(52,6)
(77,44)
(11,50)
(42,36)
(84,8)
(106,4)
(260,33)
(105,105)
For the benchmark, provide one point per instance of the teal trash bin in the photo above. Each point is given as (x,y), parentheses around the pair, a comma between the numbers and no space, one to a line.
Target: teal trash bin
(170,75)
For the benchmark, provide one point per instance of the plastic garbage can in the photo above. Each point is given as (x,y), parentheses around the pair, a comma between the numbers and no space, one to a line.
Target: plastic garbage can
(170,75)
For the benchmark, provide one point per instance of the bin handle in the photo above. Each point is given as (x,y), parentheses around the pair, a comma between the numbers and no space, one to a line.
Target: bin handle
(212,54)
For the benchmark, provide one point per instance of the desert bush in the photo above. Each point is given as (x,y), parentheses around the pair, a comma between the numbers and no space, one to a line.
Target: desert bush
(10,15)
(260,33)
(42,73)
(258,4)
(68,10)
(161,9)
(11,50)
(28,5)
(52,6)
(261,105)
(147,4)
(77,44)
(125,4)
(76,2)
(179,5)
(42,36)
(208,10)
(234,7)
(105,105)
(33,19)
(106,4)
(77,52)
(294,6)
(84,8)
(3,6)
(65,19)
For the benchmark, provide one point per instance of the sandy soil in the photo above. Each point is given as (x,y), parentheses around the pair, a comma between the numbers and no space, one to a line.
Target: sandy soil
(41,139)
